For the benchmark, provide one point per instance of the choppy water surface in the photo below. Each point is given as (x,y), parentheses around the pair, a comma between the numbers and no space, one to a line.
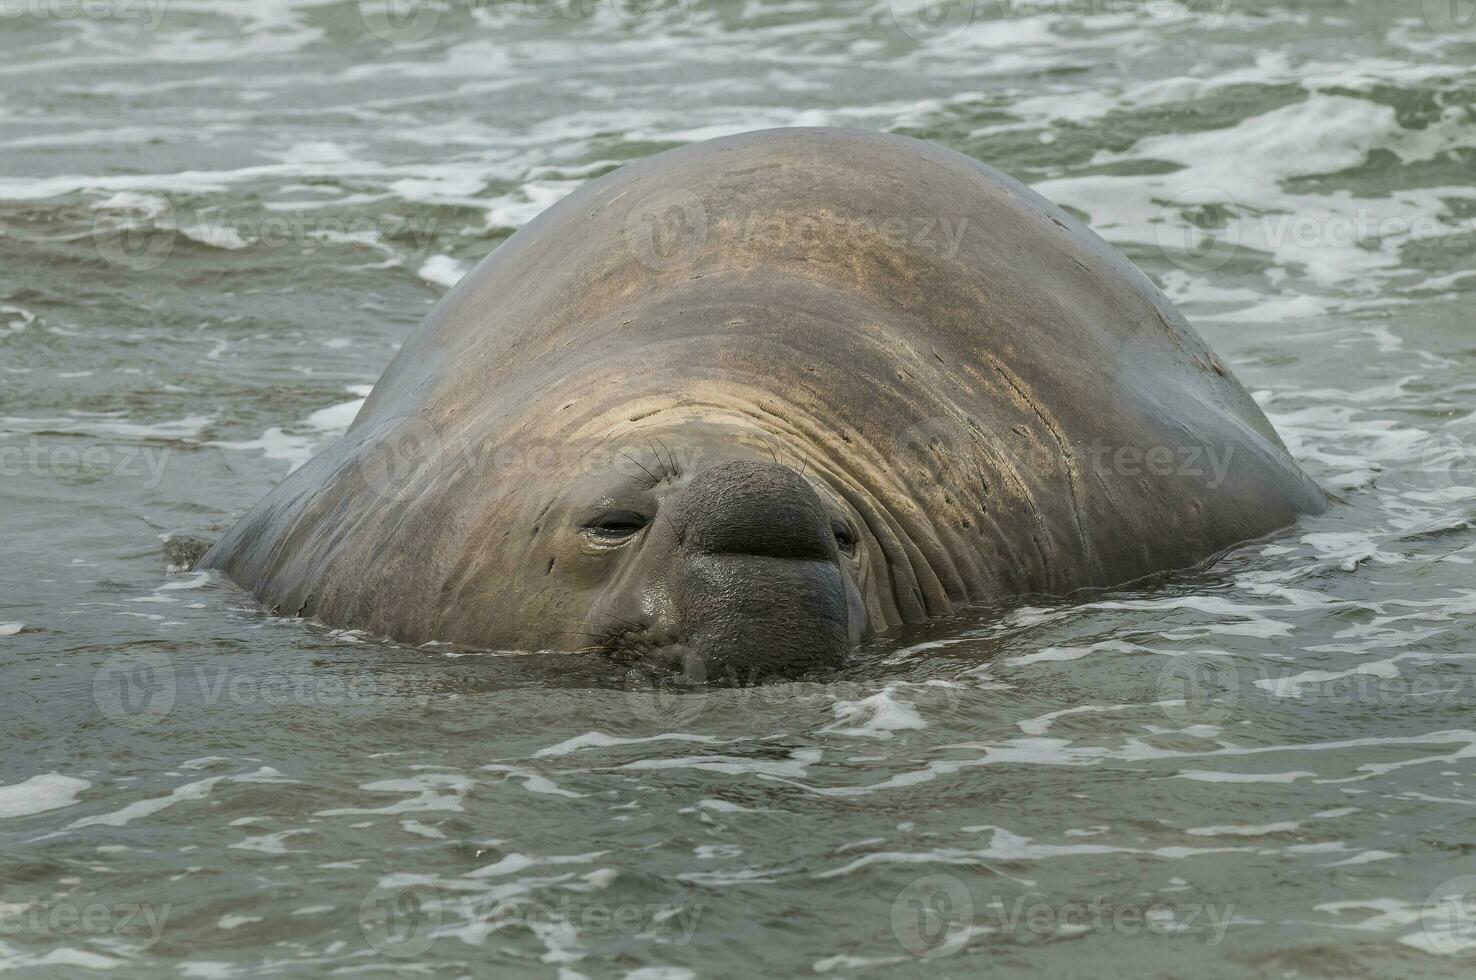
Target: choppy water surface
(217,221)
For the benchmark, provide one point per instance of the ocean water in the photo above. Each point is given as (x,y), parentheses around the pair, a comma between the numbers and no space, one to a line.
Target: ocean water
(218,220)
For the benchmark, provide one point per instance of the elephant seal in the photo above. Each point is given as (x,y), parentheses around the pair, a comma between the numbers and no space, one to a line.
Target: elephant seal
(734,407)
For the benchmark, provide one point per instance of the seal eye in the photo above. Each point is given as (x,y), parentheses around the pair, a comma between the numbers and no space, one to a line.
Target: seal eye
(616,525)
(845,539)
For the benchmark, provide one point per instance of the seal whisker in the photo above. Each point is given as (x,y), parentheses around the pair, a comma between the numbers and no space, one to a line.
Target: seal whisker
(665,471)
(676,471)
(654,478)
(621,619)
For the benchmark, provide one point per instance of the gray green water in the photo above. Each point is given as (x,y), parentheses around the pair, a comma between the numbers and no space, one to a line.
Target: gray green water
(217,220)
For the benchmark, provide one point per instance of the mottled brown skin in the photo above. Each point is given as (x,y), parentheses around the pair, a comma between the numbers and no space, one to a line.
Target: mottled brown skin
(730,407)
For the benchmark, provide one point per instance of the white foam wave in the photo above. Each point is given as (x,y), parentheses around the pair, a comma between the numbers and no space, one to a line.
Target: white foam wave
(48,791)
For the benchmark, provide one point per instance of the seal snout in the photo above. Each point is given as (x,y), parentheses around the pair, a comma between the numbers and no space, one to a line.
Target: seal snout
(759,584)
(749,507)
